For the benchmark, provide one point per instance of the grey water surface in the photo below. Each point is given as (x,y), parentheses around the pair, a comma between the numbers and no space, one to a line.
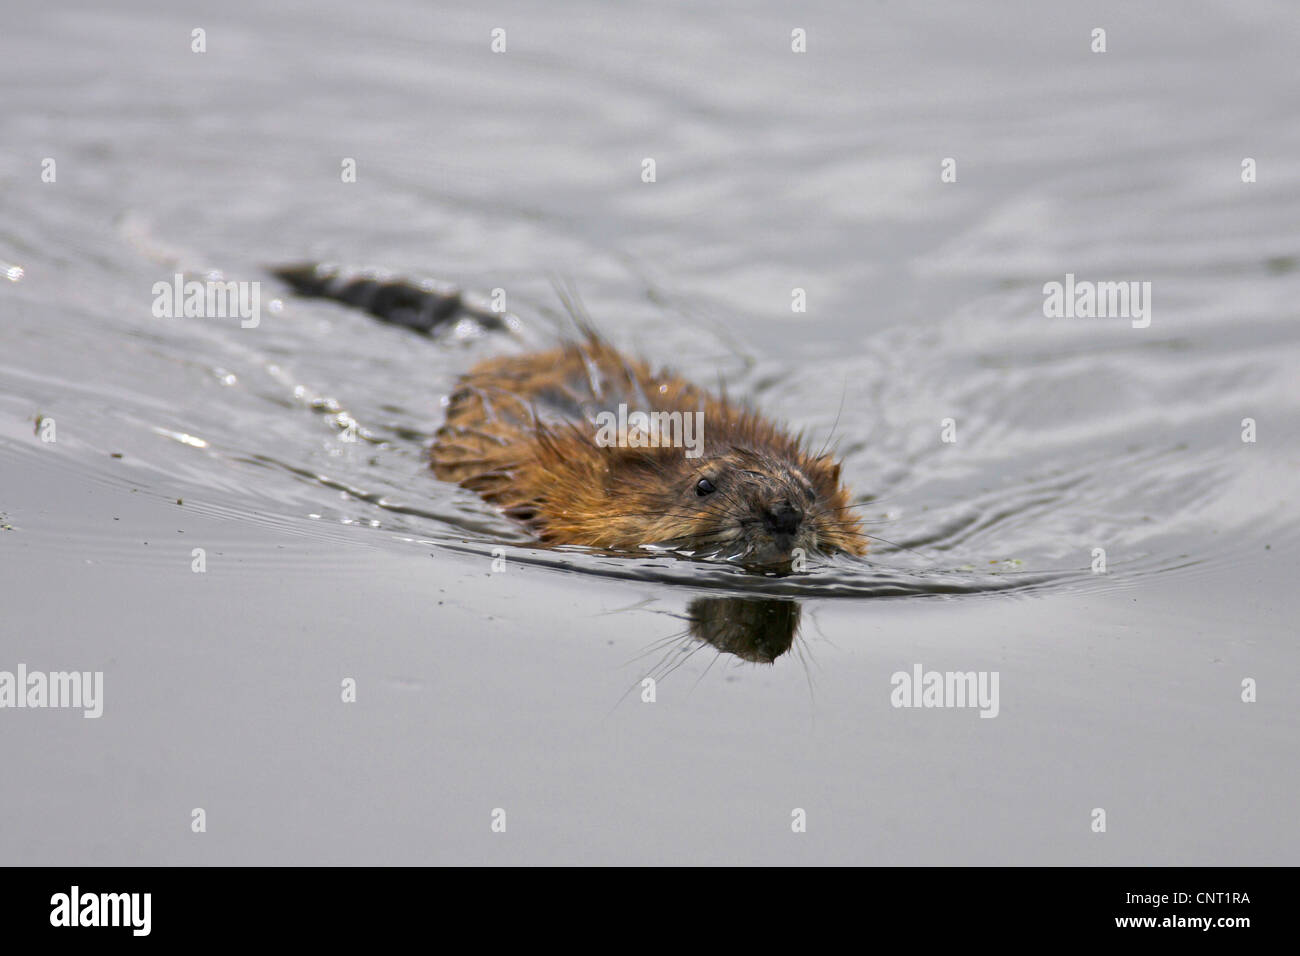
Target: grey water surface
(517,685)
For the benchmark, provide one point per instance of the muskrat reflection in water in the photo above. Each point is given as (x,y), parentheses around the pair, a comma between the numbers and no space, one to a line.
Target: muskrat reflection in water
(756,629)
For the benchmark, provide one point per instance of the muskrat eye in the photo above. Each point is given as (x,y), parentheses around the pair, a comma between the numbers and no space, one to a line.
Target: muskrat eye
(704,487)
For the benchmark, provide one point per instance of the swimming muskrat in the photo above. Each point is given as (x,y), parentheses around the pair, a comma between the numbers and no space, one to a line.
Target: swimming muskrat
(531,435)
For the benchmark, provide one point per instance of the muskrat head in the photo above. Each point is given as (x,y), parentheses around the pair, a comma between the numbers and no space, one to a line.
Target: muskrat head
(754,507)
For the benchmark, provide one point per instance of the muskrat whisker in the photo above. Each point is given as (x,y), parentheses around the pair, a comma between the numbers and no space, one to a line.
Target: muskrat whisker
(734,501)
(892,544)
(697,541)
(704,673)
(649,514)
(820,514)
(835,424)
(684,658)
(859,504)
(678,640)
(679,645)
(658,645)
(692,534)
(799,646)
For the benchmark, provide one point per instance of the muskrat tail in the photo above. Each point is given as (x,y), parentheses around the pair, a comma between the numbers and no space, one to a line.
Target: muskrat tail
(424,305)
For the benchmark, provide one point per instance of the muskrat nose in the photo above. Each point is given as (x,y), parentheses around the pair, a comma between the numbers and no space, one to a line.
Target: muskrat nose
(783,518)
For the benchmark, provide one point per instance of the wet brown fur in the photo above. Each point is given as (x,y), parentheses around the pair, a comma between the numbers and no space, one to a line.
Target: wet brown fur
(519,432)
